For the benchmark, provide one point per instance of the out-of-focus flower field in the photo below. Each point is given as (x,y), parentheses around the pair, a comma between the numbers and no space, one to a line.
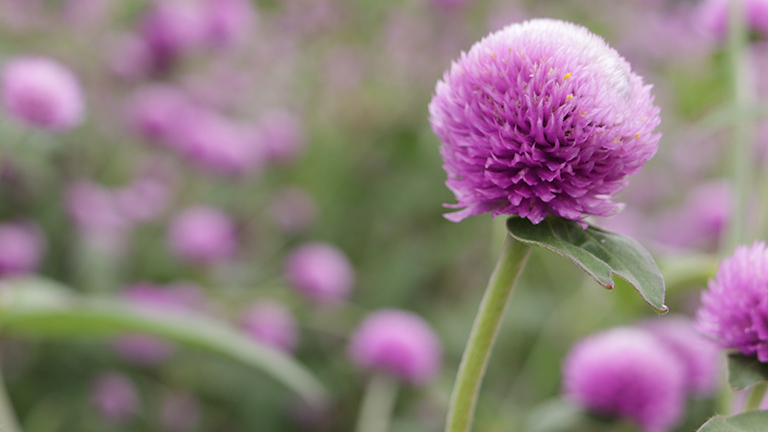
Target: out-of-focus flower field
(268,166)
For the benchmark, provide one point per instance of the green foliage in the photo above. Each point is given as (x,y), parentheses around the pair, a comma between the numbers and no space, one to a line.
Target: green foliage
(753,421)
(599,252)
(745,371)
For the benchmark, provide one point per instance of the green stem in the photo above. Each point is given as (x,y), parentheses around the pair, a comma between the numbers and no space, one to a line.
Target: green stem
(378,404)
(8,422)
(755,396)
(514,256)
(743,128)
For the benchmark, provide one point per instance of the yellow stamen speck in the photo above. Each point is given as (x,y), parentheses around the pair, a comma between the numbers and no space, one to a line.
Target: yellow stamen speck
(569,97)
(568,75)
(637,136)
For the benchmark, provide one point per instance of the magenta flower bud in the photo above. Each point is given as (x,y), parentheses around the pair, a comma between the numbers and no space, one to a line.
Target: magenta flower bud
(172,28)
(217,144)
(293,210)
(175,299)
(542,118)
(627,373)
(321,272)
(115,397)
(229,22)
(699,356)
(397,342)
(153,111)
(180,412)
(283,136)
(22,246)
(734,308)
(42,93)
(203,235)
(271,323)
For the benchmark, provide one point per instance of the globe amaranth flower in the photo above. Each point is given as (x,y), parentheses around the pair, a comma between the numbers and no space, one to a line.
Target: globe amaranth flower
(22,246)
(540,118)
(203,235)
(734,309)
(321,272)
(699,356)
(627,373)
(397,342)
(272,323)
(40,92)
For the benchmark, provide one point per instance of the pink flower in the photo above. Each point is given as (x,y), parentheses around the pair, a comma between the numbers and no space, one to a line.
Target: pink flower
(321,272)
(398,342)
(203,235)
(272,323)
(22,246)
(42,93)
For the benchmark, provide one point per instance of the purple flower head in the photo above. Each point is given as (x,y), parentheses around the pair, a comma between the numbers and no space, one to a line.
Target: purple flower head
(144,199)
(21,248)
(283,136)
(542,118)
(627,373)
(175,299)
(398,342)
(713,17)
(699,356)
(272,323)
(129,57)
(152,111)
(321,272)
(180,412)
(229,22)
(171,28)
(734,310)
(204,235)
(42,93)
(293,210)
(217,144)
(115,397)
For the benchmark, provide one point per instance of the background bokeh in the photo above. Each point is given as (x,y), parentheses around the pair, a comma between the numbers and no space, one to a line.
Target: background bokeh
(323,104)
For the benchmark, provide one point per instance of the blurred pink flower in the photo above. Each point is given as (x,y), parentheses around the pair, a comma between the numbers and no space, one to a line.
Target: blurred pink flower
(115,397)
(321,272)
(94,210)
(627,372)
(22,246)
(172,28)
(229,22)
(42,93)
(398,342)
(203,235)
(153,109)
(272,323)
(129,57)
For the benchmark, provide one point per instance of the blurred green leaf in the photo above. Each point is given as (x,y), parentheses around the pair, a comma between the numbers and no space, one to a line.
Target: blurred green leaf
(745,371)
(36,307)
(753,421)
(599,252)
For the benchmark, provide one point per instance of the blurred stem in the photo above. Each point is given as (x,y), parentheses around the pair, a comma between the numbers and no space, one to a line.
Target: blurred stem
(755,396)
(8,422)
(514,256)
(743,134)
(378,404)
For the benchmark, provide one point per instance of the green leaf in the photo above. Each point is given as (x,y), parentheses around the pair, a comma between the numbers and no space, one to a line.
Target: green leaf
(752,421)
(599,252)
(35,307)
(745,371)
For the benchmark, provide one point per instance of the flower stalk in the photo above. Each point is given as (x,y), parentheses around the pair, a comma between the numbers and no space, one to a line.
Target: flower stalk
(514,256)
(378,404)
(742,169)
(8,421)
